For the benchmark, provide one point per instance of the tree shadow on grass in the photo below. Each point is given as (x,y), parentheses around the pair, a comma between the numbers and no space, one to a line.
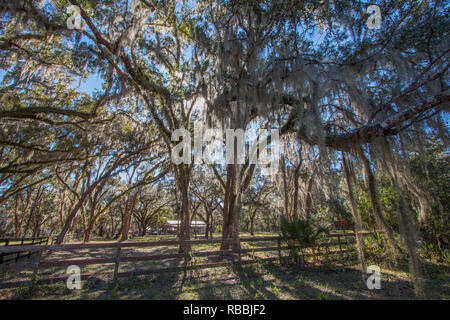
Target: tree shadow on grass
(270,281)
(341,285)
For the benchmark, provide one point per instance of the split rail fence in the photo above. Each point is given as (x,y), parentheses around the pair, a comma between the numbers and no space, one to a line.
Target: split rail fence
(117,258)
(16,243)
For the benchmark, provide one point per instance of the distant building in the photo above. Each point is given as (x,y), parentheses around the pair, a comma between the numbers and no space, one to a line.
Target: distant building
(172,226)
(342,224)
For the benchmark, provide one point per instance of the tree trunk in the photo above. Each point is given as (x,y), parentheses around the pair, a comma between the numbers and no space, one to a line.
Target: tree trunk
(356,218)
(308,202)
(388,234)
(295,197)
(408,228)
(211,227)
(129,207)
(61,209)
(410,239)
(296,177)
(185,225)
(17,220)
(70,218)
(87,233)
(92,220)
(208,222)
(285,188)
(228,207)
(235,223)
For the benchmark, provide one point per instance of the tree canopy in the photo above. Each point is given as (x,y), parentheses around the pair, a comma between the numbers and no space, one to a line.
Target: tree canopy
(92,91)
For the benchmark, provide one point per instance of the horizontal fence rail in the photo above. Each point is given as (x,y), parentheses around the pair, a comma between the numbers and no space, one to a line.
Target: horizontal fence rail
(117,258)
(16,247)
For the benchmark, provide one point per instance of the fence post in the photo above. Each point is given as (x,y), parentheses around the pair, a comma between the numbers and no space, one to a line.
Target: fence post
(116,266)
(238,247)
(339,241)
(279,250)
(3,254)
(30,253)
(18,253)
(3,273)
(35,275)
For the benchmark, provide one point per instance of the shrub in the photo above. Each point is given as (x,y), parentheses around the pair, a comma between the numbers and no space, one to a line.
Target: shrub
(303,230)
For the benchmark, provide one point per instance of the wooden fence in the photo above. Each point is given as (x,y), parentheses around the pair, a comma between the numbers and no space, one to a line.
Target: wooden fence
(17,243)
(234,256)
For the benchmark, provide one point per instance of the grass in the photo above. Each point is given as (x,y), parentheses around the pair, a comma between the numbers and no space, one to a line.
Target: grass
(255,281)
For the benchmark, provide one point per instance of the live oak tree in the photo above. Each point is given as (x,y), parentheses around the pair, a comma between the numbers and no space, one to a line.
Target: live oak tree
(312,69)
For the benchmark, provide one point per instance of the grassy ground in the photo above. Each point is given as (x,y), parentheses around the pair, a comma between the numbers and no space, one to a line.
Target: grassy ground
(258,281)
(338,279)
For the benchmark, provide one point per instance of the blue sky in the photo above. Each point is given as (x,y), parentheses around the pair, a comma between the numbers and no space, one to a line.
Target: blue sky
(90,85)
